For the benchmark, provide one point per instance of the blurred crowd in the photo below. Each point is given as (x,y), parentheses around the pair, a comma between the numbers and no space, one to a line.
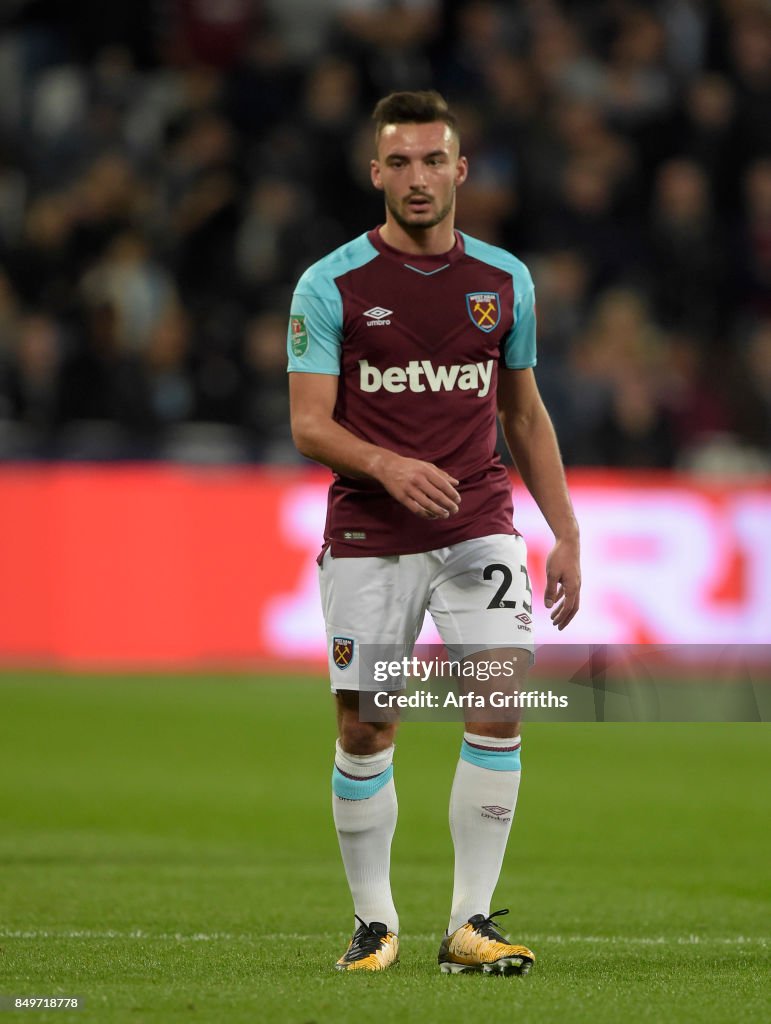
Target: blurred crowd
(168,168)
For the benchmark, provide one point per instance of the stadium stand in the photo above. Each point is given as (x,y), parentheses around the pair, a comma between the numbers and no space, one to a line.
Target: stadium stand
(169,167)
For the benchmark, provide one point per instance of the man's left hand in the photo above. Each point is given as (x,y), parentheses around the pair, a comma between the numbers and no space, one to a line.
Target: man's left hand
(563,581)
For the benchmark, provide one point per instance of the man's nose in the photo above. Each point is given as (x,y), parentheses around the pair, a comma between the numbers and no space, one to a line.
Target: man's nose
(417,175)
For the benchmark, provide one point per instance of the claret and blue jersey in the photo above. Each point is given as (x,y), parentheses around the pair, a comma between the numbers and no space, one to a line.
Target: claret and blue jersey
(416,342)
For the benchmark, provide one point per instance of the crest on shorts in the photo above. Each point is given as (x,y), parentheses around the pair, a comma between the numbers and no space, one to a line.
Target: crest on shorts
(484,308)
(342,651)
(298,334)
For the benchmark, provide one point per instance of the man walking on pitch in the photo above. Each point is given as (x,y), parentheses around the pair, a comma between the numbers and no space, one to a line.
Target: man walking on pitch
(403,346)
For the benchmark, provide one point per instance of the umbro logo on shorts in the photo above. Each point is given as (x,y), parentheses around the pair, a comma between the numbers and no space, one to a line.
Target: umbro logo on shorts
(378,316)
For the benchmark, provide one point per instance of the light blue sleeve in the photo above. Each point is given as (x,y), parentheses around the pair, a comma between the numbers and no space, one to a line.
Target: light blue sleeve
(315,329)
(519,346)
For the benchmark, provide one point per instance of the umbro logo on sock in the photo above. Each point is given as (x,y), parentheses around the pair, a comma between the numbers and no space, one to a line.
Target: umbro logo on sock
(495,810)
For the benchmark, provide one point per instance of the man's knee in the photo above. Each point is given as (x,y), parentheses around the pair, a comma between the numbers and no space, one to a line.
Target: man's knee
(501,730)
(358,737)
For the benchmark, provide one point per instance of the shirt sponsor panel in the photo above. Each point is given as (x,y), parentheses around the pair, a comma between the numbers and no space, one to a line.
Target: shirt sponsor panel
(421,375)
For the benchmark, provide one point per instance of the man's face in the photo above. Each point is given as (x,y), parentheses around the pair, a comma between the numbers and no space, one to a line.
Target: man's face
(418,168)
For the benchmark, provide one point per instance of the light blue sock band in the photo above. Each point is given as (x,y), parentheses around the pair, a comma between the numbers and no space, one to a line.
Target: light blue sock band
(359,789)
(495,760)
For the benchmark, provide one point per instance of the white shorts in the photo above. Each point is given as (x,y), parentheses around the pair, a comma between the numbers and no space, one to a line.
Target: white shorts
(477,592)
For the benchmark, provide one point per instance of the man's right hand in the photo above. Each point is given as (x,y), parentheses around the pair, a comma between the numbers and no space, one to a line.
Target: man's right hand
(422,487)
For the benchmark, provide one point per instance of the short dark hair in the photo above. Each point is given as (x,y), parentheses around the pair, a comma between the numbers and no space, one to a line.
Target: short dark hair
(423,107)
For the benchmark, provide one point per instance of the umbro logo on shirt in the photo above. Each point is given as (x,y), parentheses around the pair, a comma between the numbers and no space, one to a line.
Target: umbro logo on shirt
(378,315)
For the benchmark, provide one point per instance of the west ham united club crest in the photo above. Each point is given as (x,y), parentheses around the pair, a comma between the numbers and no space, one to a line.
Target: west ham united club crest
(342,651)
(484,308)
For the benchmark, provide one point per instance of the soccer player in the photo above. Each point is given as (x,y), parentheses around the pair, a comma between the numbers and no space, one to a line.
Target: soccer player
(403,346)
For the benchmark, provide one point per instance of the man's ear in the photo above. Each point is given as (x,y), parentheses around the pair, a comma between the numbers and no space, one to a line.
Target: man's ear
(461,170)
(374,173)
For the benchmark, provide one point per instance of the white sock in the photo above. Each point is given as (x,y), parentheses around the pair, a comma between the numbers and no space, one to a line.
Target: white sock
(482,805)
(364,808)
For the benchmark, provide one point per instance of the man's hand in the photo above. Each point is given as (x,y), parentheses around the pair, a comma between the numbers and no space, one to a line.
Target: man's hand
(563,581)
(422,487)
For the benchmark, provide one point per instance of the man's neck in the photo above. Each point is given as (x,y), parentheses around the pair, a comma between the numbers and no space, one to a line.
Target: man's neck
(419,242)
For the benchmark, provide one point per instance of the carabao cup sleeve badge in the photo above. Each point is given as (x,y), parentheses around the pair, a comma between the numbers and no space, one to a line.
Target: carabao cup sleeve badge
(484,308)
(342,651)
(299,335)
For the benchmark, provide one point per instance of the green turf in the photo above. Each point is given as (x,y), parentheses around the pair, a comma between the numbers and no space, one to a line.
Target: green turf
(166,852)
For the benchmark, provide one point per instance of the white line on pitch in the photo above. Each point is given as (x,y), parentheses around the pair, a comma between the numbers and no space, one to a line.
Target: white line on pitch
(594,940)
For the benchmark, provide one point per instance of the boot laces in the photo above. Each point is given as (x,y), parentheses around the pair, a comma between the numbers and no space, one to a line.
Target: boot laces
(487,928)
(366,939)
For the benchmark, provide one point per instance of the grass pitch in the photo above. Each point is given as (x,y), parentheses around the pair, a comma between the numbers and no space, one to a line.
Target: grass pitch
(167,854)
